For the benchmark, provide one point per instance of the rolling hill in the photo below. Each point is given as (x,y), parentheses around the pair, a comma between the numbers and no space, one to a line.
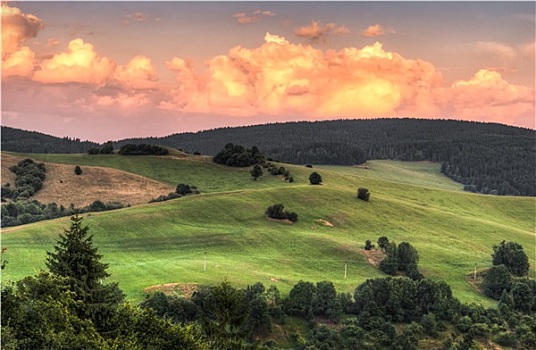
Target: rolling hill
(160,243)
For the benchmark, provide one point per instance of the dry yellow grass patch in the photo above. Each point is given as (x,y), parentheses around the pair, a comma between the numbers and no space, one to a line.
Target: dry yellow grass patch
(186,289)
(64,187)
(7,176)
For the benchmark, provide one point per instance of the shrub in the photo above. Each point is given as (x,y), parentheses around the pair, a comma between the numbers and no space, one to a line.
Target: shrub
(276,211)
(497,279)
(315,178)
(78,170)
(511,255)
(183,189)
(363,194)
(368,245)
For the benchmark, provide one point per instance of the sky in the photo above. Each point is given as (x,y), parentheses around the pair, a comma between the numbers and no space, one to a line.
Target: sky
(103,71)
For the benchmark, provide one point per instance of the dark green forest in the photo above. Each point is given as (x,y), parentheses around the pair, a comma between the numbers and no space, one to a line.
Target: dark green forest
(486,157)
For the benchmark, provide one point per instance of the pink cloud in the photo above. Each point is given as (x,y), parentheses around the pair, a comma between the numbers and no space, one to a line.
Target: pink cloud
(376,30)
(80,64)
(19,63)
(138,73)
(488,96)
(318,32)
(280,78)
(244,18)
(17,27)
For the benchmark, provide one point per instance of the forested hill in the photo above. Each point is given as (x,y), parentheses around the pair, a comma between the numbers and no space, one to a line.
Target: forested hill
(16,140)
(487,158)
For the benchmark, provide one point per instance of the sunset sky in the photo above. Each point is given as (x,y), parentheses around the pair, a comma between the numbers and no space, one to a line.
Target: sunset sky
(111,70)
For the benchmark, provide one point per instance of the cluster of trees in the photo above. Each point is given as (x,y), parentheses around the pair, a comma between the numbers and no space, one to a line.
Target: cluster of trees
(142,149)
(275,170)
(71,304)
(107,148)
(181,190)
(29,180)
(403,258)
(28,211)
(277,211)
(506,281)
(238,156)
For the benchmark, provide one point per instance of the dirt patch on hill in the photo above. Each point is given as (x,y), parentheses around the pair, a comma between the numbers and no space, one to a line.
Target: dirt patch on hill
(64,187)
(7,176)
(185,289)
(324,223)
(374,256)
(285,221)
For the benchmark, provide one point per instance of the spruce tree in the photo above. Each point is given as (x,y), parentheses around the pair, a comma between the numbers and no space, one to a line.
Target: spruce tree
(76,258)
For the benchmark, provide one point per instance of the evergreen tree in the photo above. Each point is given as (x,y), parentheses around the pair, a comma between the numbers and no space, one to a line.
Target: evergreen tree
(256,172)
(511,255)
(76,258)
(315,178)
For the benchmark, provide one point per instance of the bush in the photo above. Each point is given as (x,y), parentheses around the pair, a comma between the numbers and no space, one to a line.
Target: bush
(315,178)
(183,189)
(511,255)
(497,279)
(78,170)
(276,211)
(363,194)
(368,245)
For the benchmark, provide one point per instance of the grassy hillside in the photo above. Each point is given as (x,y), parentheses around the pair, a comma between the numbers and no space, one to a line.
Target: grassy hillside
(166,242)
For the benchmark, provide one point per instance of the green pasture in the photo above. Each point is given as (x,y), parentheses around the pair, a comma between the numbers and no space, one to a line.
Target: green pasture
(166,242)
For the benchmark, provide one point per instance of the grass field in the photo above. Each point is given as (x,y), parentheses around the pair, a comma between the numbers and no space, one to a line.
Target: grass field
(166,242)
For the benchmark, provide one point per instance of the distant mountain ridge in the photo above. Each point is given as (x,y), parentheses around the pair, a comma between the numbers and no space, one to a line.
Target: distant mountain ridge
(486,157)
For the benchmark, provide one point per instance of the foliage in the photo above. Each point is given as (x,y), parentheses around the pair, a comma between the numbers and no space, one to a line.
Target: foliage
(238,156)
(76,258)
(78,170)
(363,194)
(29,180)
(277,212)
(403,257)
(368,245)
(40,313)
(256,172)
(142,149)
(315,178)
(511,255)
(383,241)
(497,279)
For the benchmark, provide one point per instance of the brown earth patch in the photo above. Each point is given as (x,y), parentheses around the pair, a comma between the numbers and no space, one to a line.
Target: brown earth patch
(324,223)
(64,187)
(285,221)
(374,256)
(185,289)
(8,176)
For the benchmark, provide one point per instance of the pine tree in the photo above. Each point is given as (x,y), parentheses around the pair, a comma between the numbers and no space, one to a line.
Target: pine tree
(76,258)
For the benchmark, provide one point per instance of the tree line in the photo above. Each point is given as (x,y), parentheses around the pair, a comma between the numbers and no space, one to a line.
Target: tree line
(485,157)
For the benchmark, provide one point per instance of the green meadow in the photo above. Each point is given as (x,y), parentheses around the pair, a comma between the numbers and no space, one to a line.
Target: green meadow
(167,242)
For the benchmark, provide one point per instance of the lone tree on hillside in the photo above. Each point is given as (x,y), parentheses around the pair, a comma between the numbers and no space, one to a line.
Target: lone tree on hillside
(511,255)
(256,171)
(364,194)
(315,178)
(75,257)
(78,170)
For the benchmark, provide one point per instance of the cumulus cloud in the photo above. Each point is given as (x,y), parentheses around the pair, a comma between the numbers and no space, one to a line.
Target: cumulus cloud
(376,30)
(81,64)
(487,95)
(318,32)
(244,18)
(19,63)
(138,73)
(281,78)
(17,27)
